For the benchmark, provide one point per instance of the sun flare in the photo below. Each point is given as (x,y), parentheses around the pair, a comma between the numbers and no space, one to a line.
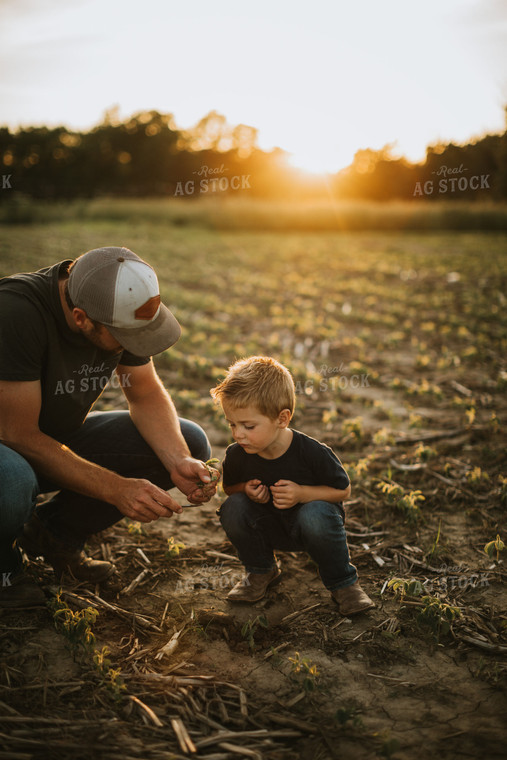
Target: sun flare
(319,160)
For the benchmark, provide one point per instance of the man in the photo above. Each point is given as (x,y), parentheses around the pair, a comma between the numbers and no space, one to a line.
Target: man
(64,331)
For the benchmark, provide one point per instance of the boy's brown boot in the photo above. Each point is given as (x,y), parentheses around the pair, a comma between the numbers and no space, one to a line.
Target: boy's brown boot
(254,586)
(20,592)
(36,540)
(352,599)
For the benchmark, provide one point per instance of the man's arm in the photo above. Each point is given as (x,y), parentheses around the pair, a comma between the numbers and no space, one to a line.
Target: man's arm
(20,404)
(153,413)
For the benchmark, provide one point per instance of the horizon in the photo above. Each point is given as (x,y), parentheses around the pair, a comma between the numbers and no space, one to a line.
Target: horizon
(124,119)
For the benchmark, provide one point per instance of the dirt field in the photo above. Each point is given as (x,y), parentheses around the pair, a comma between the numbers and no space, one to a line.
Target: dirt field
(384,686)
(422,675)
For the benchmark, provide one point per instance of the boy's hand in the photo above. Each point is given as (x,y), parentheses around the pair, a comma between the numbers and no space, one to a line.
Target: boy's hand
(286,494)
(256,491)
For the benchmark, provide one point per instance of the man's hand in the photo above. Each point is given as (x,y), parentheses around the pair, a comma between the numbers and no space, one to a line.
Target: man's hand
(188,473)
(141,500)
(286,494)
(256,491)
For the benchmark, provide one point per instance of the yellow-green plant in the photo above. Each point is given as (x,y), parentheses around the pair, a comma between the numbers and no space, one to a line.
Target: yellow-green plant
(301,665)
(110,676)
(404,587)
(438,615)
(494,422)
(135,528)
(476,475)
(424,388)
(406,502)
(329,416)
(409,503)
(213,472)
(422,361)
(393,491)
(173,547)
(493,547)
(76,626)
(470,414)
(435,549)
(249,628)
(359,468)
(354,428)
(503,489)
(424,453)
(415,420)
(348,713)
(383,436)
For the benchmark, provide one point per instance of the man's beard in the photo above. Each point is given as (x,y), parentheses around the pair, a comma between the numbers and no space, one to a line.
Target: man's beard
(96,338)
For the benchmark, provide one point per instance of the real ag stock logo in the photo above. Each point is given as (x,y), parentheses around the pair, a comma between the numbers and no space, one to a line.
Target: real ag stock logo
(452,181)
(212,182)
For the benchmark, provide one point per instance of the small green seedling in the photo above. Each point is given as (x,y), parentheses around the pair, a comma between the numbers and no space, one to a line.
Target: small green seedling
(493,547)
(345,714)
(503,489)
(359,468)
(353,428)
(76,626)
(393,491)
(404,587)
(438,615)
(173,548)
(309,671)
(470,415)
(249,628)
(213,472)
(424,453)
(477,475)
(409,504)
(135,528)
(406,502)
(110,676)
(435,549)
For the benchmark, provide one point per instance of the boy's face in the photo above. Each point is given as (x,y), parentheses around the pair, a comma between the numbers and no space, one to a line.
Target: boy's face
(253,431)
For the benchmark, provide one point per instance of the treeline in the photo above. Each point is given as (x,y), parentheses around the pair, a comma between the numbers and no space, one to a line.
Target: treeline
(147,155)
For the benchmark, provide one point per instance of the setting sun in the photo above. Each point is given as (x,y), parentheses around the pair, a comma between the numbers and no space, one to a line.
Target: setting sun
(320,160)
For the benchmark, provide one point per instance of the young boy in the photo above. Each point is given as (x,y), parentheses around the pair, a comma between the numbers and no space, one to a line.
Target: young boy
(285,489)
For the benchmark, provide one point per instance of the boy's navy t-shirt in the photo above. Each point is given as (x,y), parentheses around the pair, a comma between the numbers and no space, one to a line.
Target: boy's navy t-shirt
(306,462)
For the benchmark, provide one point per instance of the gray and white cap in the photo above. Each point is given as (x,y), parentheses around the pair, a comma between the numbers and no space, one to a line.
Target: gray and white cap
(118,289)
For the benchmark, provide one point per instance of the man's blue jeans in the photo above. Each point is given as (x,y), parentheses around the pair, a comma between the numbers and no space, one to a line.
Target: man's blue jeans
(109,439)
(315,527)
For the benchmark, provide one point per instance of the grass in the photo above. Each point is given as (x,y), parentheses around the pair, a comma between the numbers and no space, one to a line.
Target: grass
(255,214)
(332,306)
(420,319)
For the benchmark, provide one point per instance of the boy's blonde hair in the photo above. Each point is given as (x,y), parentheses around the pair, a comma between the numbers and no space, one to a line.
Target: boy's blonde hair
(258,381)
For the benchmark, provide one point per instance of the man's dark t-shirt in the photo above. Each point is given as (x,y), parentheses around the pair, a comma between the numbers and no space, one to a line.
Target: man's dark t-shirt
(306,462)
(36,343)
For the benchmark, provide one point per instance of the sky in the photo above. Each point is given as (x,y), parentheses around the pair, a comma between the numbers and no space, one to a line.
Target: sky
(319,79)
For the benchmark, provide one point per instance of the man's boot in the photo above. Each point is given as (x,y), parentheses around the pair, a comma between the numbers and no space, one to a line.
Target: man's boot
(36,540)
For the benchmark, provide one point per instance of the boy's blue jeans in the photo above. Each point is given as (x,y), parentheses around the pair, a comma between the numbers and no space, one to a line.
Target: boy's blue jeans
(315,527)
(109,439)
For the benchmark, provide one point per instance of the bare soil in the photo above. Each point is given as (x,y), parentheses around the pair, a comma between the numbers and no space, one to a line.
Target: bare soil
(382,684)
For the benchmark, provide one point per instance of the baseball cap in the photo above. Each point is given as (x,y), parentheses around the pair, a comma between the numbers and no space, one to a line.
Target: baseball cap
(118,289)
